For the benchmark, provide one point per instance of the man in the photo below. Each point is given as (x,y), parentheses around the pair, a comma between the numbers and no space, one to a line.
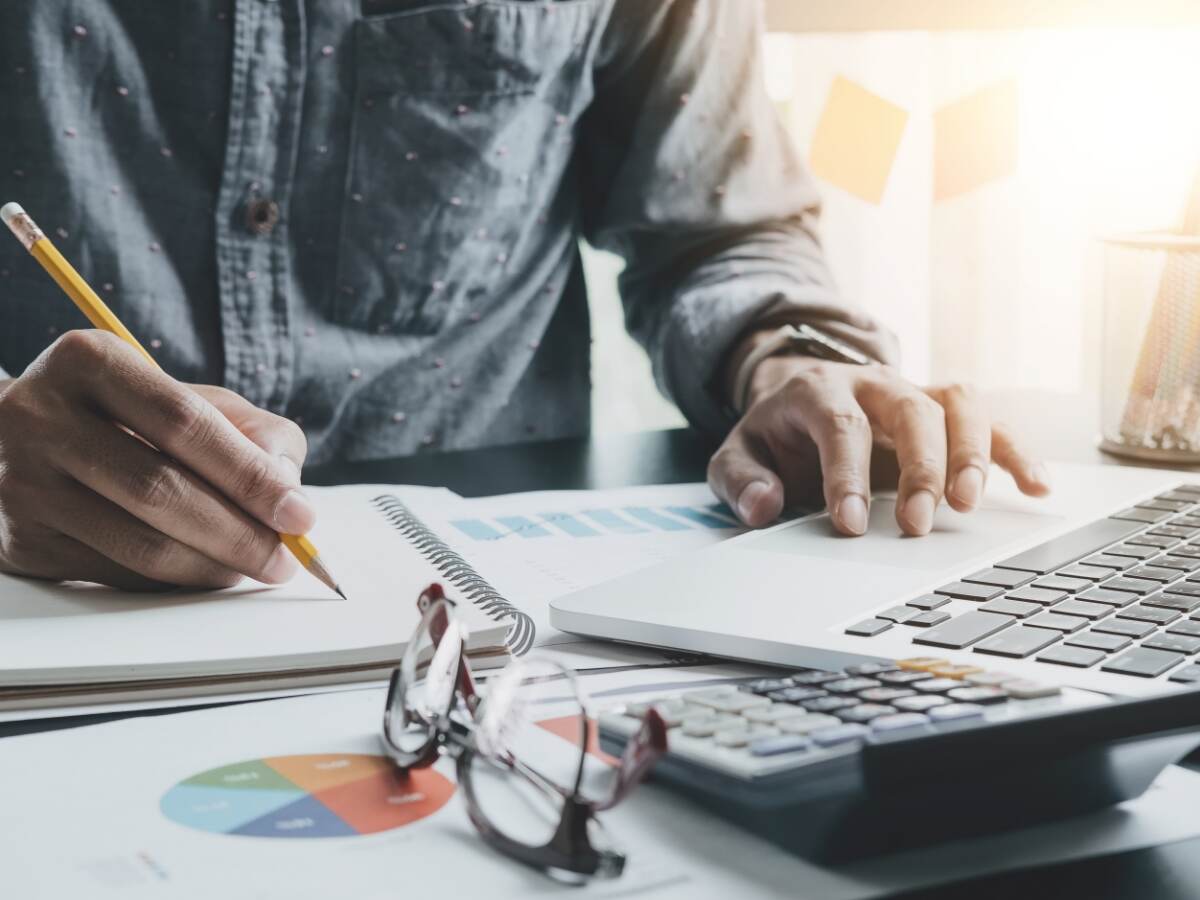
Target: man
(362,217)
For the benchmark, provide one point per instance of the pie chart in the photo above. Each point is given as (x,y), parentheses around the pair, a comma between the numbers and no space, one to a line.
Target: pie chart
(314,796)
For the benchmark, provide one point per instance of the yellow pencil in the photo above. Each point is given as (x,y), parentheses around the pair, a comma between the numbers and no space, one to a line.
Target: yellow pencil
(98,313)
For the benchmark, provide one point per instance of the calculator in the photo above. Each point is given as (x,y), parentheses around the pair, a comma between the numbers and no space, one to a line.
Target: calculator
(885,756)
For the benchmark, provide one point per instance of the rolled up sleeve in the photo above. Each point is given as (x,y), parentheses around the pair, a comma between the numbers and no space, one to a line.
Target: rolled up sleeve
(689,176)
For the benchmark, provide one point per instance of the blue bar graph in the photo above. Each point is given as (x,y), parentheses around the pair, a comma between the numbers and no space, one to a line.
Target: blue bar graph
(613,522)
(477,530)
(700,517)
(656,520)
(570,525)
(526,528)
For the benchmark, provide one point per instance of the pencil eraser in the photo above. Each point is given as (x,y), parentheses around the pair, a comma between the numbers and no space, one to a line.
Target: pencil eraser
(10,211)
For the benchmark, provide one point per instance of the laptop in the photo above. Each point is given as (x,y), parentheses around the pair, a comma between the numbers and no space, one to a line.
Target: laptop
(1096,586)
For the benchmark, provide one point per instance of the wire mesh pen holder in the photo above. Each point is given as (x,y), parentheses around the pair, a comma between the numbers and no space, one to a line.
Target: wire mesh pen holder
(1150,396)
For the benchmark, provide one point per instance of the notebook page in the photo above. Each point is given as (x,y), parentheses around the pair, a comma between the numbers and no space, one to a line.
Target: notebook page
(46,626)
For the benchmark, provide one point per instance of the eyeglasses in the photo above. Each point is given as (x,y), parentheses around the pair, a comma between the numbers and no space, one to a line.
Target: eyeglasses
(543,815)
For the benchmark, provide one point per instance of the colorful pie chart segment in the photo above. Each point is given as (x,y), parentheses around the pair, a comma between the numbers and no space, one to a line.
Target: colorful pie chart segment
(313,796)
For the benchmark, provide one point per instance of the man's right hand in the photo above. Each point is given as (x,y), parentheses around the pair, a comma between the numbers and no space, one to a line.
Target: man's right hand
(82,498)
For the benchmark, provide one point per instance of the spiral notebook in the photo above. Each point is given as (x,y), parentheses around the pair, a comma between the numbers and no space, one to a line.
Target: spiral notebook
(72,644)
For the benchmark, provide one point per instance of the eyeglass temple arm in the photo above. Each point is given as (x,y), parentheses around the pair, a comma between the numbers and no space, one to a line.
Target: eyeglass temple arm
(437,631)
(641,753)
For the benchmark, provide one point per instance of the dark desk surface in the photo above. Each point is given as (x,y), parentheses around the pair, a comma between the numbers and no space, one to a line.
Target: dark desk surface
(1168,872)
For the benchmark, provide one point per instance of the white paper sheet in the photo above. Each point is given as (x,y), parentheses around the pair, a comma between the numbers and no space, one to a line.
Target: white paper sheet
(93,823)
(537,546)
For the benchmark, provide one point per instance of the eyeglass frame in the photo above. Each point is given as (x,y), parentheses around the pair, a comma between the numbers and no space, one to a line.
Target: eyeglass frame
(570,849)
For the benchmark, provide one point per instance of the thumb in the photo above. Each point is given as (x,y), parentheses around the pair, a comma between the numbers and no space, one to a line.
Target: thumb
(739,476)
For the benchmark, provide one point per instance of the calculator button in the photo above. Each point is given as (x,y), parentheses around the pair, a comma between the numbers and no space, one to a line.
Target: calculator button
(884,694)
(841,734)
(1008,607)
(740,737)
(870,668)
(929,618)
(672,711)
(956,712)
(1176,643)
(1187,675)
(919,704)
(1149,614)
(1037,595)
(1079,657)
(1127,627)
(869,627)
(979,695)
(796,694)
(766,685)
(814,677)
(955,670)
(899,678)
(1139,661)
(1007,578)
(961,590)
(963,630)
(929,601)
(769,715)
(1083,608)
(1107,597)
(850,685)
(1098,640)
(937,685)
(706,726)
(805,724)
(864,712)
(921,663)
(828,704)
(732,702)
(1025,689)
(773,746)
(1017,642)
(899,723)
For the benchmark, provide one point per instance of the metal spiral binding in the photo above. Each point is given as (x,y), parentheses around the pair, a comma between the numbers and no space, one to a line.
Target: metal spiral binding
(458,572)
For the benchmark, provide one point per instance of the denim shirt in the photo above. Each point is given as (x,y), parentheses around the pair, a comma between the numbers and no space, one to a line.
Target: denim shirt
(365,214)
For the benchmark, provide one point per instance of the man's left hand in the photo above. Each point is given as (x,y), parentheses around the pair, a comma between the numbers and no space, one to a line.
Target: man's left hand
(813,423)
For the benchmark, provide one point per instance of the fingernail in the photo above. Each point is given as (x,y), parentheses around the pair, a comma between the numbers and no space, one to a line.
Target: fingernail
(1040,474)
(748,499)
(290,469)
(852,514)
(294,514)
(280,567)
(918,512)
(968,486)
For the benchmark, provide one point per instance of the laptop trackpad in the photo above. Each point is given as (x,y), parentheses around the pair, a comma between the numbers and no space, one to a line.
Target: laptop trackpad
(955,537)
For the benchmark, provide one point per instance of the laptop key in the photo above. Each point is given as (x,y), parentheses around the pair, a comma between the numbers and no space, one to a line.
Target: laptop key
(1186,675)
(1007,578)
(1079,657)
(1152,540)
(1186,550)
(1188,627)
(1131,585)
(1083,608)
(1007,607)
(1153,573)
(1153,614)
(1107,597)
(964,630)
(1037,595)
(1062,583)
(1178,495)
(1091,573)
(1183,589)
(1176,643)
(1056,622)
(928,618)
(869,628)
(1143,662)
(1182,563)
(1172,601)
(1175,506)
(1069,547)
(1017,642)
(1098,640)
(1133,551)
(1126,627)
(898,614)
(961,590)
(929,601)
(1109,561)
(1137,514)
(1172,530)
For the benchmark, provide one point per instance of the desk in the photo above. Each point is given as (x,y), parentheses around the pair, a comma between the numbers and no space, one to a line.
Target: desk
(678,456)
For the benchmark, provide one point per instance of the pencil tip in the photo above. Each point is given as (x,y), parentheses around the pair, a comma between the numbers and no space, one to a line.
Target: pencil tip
(341,593)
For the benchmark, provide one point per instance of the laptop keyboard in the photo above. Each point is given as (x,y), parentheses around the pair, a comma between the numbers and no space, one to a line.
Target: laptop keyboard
(1121,594)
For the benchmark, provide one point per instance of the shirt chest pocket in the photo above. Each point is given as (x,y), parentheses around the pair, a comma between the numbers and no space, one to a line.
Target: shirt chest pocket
(456,106)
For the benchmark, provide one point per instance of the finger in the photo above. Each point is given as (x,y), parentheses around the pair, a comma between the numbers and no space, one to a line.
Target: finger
(917,426)
(182,424)
(740,475)
(62,558)
(131,544)
(172,500)
(969,436)
(280,437)
(1030,475)
(826,410)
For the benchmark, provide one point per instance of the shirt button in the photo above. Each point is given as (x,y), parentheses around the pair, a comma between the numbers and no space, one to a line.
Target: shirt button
(262,216)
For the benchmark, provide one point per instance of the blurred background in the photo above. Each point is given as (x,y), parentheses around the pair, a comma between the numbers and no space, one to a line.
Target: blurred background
(970,153)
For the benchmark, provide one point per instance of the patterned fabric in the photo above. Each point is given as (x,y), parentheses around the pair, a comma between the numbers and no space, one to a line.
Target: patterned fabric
(365,214)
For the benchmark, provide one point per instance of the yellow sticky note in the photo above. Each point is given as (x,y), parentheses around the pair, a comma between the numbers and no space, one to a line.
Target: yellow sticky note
(856,140)
(975,141)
